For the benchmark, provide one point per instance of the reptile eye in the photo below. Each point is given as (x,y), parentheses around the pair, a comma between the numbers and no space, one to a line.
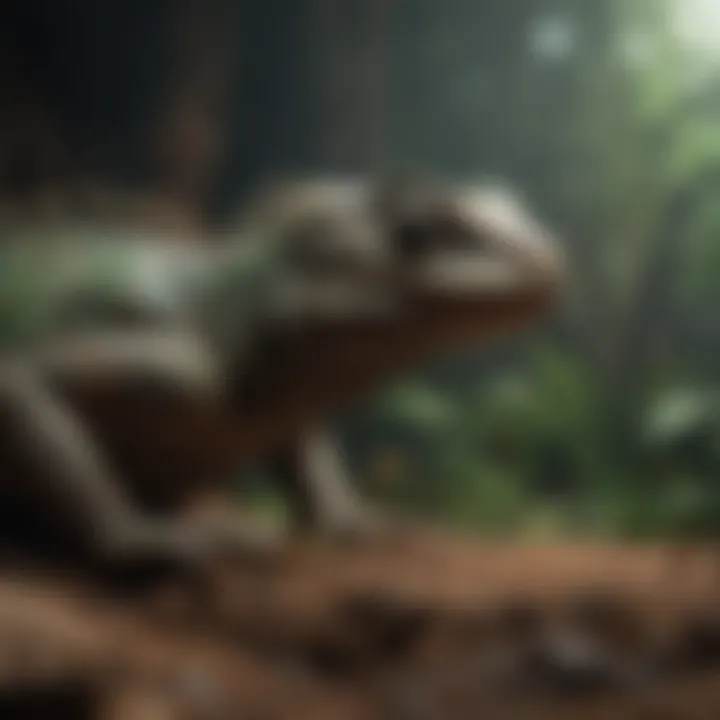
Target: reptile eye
(422,237)
(414,240)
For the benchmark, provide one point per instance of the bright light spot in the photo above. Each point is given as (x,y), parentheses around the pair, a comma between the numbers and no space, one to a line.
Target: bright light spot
(697,24)
(552,37)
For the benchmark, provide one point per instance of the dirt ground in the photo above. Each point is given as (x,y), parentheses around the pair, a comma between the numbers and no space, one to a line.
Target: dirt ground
(433,627)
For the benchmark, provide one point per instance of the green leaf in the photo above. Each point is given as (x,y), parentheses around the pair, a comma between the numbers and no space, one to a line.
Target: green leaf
(678,413)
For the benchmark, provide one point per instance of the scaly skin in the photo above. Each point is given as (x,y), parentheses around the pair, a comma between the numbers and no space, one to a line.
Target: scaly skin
(454,267)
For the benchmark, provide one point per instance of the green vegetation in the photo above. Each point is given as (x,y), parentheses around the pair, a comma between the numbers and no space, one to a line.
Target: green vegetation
(607,421)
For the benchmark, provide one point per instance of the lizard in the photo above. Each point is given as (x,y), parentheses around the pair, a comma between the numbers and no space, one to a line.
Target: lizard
(119,427)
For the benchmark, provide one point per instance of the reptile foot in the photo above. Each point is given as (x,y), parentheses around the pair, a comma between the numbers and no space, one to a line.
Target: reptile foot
(186,544)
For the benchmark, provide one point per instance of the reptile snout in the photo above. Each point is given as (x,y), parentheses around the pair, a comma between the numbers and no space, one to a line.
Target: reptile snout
(479,243)
(513,233)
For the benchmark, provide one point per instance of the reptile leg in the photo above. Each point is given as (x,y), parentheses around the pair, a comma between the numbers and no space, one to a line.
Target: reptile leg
(321,493)
(54,448)
(176,358)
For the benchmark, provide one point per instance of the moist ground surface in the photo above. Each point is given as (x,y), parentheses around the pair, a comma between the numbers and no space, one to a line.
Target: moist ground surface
(433,626)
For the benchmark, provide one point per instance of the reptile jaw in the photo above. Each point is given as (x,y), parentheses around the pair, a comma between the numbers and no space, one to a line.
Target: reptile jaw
(484,245)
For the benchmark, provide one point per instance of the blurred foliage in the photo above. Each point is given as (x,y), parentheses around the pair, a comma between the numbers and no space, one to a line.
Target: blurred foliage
(608,421)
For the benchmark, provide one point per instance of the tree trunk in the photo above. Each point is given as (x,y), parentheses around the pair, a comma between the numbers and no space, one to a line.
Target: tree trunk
(349,70)
(102,102)
(189,134)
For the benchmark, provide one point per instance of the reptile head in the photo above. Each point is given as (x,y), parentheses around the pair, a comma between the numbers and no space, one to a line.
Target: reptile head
(465,256)
(470,258)
(406,272)
(422,269)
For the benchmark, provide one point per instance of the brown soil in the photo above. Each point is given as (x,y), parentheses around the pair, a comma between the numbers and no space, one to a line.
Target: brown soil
(430,627)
